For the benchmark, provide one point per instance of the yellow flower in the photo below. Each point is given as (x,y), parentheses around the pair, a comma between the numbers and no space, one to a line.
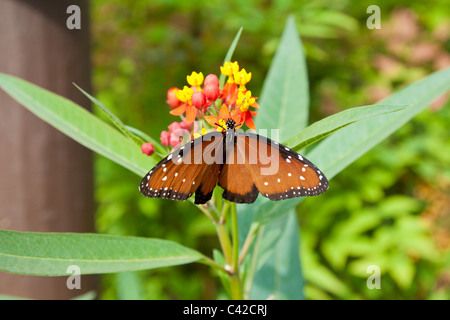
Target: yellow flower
(184,95)
(245,100)
(241,78)
(228,69)
(222,124)
(195,80)
(197,135)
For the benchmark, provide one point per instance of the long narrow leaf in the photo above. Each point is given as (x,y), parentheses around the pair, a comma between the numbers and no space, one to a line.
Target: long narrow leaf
(77,123)
(285,94)
(278,272)
(321,129)
(50,254)
(337,151)
(229,55)
(113,118)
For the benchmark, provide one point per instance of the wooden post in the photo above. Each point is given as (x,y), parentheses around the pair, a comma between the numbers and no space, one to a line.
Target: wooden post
(46,182)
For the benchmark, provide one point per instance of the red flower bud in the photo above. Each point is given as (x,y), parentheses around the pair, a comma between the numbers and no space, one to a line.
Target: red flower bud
(211,80)
(212,92)
(185,125)
(211,87)
(174,140)
(198,99)
(165,138)
(148,148)
(172,99)
(177,135)
(174,126)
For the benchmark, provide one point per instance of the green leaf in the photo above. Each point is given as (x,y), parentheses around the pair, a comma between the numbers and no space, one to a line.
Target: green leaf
(5,297)
(342,148)
(90,295)
(279,274)
(337,151)
(229,55)
(77,123)
(113,118)
(285,94)
(49,254)
(321,129)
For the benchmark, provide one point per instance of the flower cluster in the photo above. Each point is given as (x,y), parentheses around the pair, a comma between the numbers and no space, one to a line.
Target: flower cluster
(204,100)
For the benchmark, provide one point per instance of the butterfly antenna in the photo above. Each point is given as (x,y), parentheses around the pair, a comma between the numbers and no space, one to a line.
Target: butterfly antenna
(242,101)
(222,114)
(220,126)
(240,124)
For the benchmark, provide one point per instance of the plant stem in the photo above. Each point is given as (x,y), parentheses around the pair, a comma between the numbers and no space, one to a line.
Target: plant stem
(208,213)
(223,215)
(225,242)
(251,273)
(254,228)
(236,288)
(235,237)
(236,285)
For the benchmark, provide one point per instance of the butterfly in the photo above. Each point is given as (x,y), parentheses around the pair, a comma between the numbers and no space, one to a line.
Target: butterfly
(244,164)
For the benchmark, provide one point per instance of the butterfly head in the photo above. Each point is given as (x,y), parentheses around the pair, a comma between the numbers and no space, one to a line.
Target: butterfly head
(231,124)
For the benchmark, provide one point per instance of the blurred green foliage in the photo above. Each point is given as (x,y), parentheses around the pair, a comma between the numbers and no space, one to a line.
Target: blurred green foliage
(390,208)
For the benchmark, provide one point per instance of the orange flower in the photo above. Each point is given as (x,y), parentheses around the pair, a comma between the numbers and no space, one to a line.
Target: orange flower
(185,96)
(229,93)
(224,114)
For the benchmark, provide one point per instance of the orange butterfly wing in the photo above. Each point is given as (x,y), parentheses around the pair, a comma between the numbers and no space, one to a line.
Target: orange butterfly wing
(191,168)
(277,171)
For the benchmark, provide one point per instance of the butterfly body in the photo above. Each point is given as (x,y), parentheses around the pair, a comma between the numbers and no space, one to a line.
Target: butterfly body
(243,164)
